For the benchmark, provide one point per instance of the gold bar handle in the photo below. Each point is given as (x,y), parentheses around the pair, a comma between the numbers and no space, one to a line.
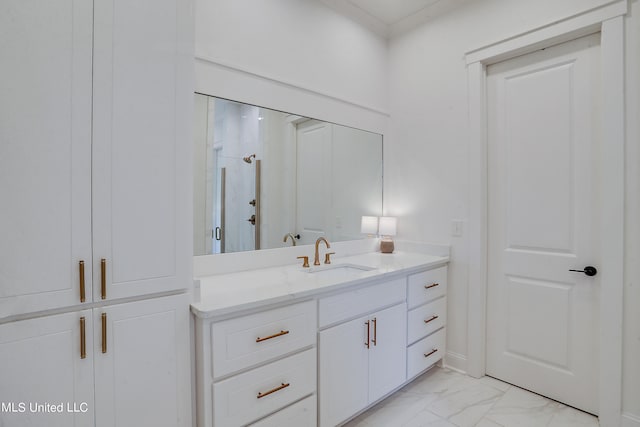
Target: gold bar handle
(431,352)
(103,278)
(267,393)
(83,339)
(279,334)
(433,285)
(368,334)
(431,320)
(81,270)
(104,332)
(375,331)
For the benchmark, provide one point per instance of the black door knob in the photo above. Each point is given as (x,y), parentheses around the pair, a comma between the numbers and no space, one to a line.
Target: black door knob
(588,270)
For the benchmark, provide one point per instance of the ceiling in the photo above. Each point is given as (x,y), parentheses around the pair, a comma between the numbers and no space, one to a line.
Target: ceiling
(391,11)
(392,17)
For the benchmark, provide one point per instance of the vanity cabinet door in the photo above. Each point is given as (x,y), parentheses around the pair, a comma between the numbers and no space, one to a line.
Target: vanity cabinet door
(344,371)
(41,362)
(141,363)
(45,153)
(142,104)
(360,362)
(388,354)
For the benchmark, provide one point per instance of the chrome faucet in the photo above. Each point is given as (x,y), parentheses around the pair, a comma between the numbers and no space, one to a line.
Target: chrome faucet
(293,238)
(316,258)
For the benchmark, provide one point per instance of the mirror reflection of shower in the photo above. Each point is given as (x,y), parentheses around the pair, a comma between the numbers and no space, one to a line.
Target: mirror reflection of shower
(234,139)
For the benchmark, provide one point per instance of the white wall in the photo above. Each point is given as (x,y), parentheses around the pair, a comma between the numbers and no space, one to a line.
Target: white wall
(426,151)
(631,350)
(297,56)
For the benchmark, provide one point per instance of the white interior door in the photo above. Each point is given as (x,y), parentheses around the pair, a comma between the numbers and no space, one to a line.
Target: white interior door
(314,176)
(542,319)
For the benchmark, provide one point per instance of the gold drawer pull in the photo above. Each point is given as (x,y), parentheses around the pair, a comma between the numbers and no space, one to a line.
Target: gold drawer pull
(103,278)
(279,334)
(431,286)
(267,393)
(375,332)
(368,343)
(431,352)
(431,320)
(82,293)
(83,339)
(104,332)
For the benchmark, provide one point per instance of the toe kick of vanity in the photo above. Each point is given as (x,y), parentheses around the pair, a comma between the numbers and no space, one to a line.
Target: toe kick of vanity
(321,357)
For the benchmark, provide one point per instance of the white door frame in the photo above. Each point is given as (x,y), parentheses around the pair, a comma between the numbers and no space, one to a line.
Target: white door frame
(609,21)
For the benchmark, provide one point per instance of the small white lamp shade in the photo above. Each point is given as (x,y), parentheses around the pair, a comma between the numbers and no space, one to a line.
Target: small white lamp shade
(369,225)
(387,226)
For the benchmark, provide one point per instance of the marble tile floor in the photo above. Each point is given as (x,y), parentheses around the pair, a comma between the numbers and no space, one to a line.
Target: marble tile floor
(445,398)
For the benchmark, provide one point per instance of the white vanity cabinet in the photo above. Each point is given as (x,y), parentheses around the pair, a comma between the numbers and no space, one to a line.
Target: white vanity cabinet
(427,315)
(360,339)
(251,366)
(117,365)
(95,102)
(41,362)
(45,153)
(141,366)
(362,359)
(142,101)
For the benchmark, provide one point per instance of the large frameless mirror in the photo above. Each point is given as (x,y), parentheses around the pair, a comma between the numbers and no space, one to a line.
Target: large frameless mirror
(267,179)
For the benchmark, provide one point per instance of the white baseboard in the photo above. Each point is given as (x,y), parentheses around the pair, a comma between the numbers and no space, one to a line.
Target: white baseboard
(630,420)
(456,362)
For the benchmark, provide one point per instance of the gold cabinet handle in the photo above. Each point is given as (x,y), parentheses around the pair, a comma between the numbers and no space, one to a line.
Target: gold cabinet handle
(431,352)
(83,339)
(81,271)
(104,332)
(103,278)
(279,334)
(368,334)
(431,320)
(375,331)
(273,390)
(433,285)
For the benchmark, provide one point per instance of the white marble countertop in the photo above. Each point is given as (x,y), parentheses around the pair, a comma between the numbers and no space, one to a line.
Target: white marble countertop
(224,294)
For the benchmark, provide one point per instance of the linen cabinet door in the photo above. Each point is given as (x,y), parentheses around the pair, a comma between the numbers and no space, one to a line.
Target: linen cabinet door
(388,355)
(142,112)
(142,364)
(45,153)
(344,371)
(48,360)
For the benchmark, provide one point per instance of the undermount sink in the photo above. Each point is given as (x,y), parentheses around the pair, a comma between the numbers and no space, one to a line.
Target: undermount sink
(339,271)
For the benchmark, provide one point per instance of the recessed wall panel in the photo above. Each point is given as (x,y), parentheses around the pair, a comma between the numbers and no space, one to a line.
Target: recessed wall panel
(540,335)
(538,125)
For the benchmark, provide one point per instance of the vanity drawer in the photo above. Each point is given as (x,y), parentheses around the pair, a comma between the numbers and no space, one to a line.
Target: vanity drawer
(425,319)
(427,286)
(303,413)
(347,305)
(425,353)
(249,340)
(251,395)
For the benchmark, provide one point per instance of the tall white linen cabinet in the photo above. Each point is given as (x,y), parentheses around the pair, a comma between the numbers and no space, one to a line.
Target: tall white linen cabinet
(95,256)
